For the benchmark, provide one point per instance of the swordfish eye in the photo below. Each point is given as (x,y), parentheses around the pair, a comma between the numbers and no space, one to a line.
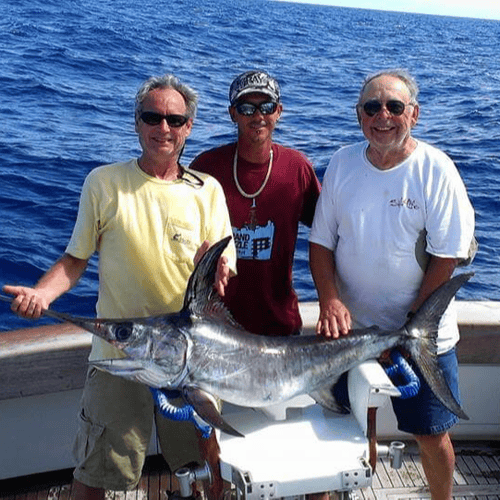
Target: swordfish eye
(123,331)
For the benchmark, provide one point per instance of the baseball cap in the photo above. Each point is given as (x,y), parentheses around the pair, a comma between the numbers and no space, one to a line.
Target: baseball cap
(254,81)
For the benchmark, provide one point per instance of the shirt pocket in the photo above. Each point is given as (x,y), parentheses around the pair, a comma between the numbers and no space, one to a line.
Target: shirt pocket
(181,241)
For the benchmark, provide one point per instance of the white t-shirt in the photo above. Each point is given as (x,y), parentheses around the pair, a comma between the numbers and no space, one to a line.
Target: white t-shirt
(381,223)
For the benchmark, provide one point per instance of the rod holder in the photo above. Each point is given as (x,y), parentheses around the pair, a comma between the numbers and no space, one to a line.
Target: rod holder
(187,476)
(395,453)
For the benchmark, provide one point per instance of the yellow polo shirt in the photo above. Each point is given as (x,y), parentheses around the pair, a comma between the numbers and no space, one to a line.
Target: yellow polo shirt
(147,232)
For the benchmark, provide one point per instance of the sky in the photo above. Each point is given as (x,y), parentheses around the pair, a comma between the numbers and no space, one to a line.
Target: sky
(482,9)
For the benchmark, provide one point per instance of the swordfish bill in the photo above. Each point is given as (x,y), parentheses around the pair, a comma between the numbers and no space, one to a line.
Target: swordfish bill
(204,353)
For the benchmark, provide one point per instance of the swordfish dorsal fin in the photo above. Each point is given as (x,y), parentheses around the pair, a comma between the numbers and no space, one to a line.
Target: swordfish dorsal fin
(200,288)
(201,297)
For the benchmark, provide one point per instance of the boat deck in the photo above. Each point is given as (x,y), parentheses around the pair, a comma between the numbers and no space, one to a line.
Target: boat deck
(477,476)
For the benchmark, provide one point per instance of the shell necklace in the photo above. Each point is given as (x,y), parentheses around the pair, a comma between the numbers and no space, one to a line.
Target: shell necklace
(253,208)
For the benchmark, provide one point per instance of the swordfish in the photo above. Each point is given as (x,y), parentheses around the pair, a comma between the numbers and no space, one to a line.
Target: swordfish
(202,352)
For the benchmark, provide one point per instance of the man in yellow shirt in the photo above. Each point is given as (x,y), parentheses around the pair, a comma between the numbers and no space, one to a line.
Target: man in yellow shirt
(147,218)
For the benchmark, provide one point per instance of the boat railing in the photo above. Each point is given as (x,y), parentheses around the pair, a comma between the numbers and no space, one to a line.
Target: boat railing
(53,358)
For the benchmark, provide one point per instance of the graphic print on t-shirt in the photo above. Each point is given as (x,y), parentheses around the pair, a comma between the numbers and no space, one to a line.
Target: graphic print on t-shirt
(254,242)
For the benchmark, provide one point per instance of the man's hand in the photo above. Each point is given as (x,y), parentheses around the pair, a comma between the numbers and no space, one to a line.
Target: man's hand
(27,302)
(334,319)
(222,276)
(61,277)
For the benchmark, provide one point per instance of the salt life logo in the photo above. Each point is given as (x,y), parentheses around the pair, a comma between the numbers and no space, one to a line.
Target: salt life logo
(404,203)
(254,243)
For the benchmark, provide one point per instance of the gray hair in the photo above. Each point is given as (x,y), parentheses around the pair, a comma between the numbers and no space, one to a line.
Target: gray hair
(167,82)
(401,74)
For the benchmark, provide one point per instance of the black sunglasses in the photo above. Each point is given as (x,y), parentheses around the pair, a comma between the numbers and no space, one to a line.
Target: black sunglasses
(395,107)
(152,118)
(248,109)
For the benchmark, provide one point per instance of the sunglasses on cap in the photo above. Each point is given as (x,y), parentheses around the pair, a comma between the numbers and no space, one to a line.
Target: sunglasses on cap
(248,109)
(395,107)
(152,118)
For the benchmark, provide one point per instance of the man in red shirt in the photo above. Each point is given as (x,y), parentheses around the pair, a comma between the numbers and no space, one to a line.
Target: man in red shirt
(269,189)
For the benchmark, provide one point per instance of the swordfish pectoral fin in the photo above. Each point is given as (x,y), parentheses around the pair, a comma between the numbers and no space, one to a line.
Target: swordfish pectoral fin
(132,369)
(206,407)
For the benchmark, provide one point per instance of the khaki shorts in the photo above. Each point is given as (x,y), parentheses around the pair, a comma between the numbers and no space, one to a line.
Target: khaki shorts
(115,424)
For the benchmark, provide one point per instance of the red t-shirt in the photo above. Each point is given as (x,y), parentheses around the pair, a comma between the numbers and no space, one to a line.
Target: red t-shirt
(261,297)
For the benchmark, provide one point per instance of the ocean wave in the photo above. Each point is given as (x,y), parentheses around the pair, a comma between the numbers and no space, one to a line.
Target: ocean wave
(69,72)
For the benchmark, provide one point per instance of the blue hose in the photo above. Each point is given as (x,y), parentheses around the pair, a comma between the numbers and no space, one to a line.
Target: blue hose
(401,369)
(185,413)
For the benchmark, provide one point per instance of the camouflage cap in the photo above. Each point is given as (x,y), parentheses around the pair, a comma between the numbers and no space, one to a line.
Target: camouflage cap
(254,81)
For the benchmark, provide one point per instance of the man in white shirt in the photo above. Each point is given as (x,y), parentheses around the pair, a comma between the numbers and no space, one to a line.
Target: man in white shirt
(391,224)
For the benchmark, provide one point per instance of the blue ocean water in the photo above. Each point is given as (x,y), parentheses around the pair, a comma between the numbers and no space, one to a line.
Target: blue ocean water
(69,70)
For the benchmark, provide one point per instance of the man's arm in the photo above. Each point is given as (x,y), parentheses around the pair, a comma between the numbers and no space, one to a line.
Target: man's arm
(61,277)
(334,317)
(439,270)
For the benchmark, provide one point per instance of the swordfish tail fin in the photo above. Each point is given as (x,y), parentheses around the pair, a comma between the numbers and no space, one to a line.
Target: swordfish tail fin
(423,330)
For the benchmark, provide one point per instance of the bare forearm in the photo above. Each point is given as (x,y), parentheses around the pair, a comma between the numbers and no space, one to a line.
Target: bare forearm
(322,265)
(61,277)
(439,270)
(334,318)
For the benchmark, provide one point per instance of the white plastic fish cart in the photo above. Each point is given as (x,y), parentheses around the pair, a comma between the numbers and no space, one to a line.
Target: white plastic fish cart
(299,448)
